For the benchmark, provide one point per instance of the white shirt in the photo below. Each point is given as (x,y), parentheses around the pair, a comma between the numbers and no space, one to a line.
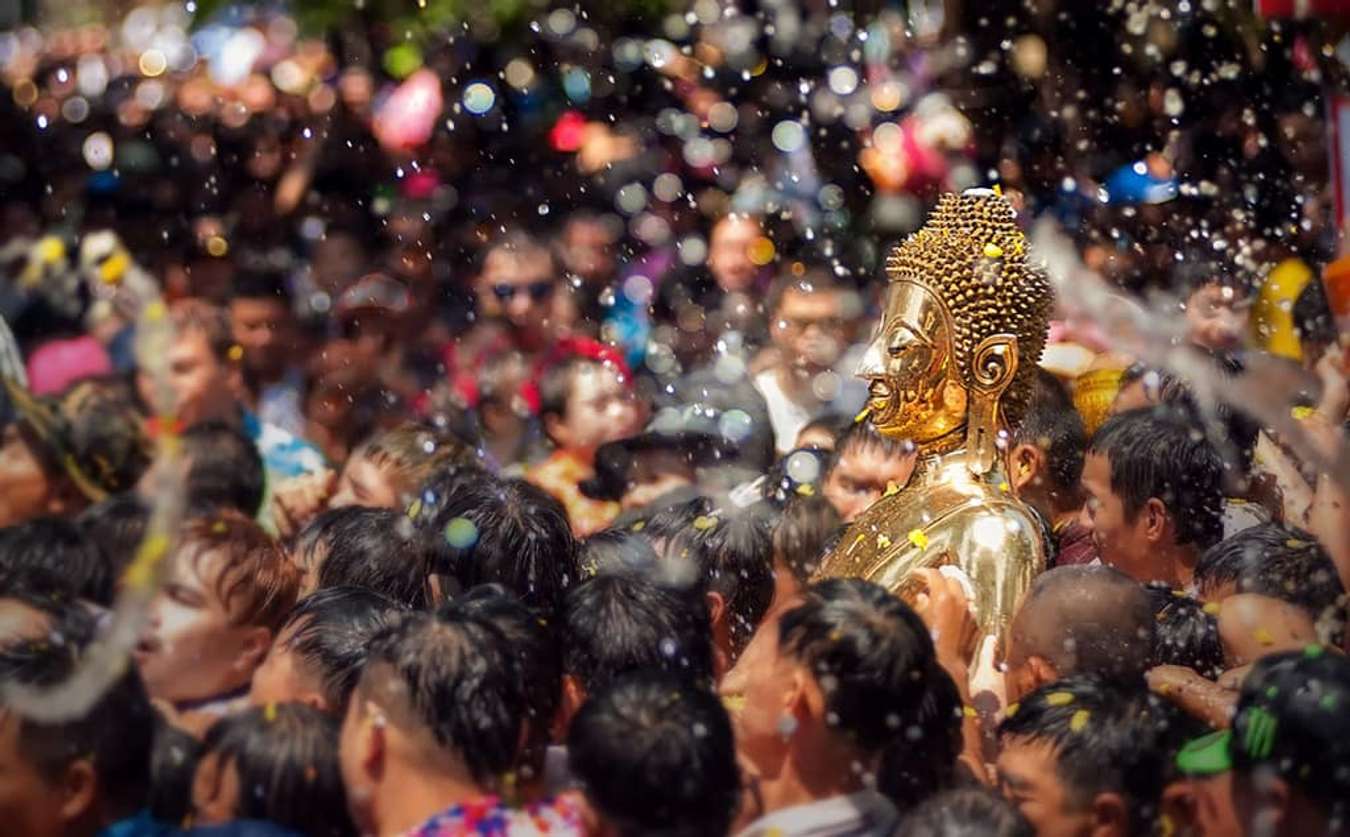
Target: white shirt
(863,814)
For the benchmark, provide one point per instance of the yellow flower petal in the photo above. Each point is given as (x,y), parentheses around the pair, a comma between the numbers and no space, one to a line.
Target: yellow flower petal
(704,522)
(891,489)
(1079,720)
(993,251)
(918,538)
(883,541)
(1059,698)
(1263,636)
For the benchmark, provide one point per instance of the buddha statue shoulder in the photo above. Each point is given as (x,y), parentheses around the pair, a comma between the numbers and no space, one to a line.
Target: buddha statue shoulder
(950,369)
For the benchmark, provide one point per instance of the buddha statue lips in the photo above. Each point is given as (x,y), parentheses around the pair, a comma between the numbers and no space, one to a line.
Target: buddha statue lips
(949,369)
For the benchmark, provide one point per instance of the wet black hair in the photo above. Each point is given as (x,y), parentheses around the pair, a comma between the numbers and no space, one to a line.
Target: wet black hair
(454,670)
(261,284)
(54,555)
(173,762)
(863,436)
(1051,423)
(614,549)
(624,620)
(1156,454)
(890,697)
(536,655)
(332,632)
(1184,634)
(1107,737)
(286,758)
(501,531)
(804,534)
(664,522)
(965,812)
(1278,561)
(734,554)
(376,549)
(225,470)
(1107,615)
(115,733)
(656,756)
(116,527)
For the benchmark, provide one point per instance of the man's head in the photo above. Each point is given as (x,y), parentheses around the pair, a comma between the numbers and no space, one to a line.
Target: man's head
(585,402)
(1276,561)
(537,657)
(627,619)
(228,592)
(277,763)
(1045,460)
(386,470)
(319,651)
(588,246)
(500,531)
(224,470)
(439,700)
(849,677)
(518,281)
(864,467)
(375,549)
(808,320)
(729,258)
(1216,303)
(1085,756)
(72,777)
(263,325)
(53,555)
(116,526)
(734,553)
(203,375)
(1286,758)
(58,455)
(1153,495)
(1079,620)
(1185,634)
(655,754)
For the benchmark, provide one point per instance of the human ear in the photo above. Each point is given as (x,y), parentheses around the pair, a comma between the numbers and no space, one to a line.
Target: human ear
(1110,816)
(1026,462)
(1156,519)
(256,643)
(79,790)
(1042,671)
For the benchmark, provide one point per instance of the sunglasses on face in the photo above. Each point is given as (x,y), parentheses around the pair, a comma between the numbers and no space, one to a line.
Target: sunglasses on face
(538,291)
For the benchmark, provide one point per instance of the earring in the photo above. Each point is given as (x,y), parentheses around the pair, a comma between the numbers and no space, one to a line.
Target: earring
(787,725)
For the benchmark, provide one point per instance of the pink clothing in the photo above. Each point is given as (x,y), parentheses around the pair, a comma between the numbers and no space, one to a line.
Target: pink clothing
(56,365)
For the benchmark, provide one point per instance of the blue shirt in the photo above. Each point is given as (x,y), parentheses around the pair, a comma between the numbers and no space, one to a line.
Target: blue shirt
(283,453)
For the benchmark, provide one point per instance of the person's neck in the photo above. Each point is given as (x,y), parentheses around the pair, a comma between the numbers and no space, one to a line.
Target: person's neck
(795,381)
(806,780)
(409,796)
(1180,563)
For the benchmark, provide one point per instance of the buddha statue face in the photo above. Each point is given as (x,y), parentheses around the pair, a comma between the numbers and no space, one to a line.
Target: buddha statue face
(913,382)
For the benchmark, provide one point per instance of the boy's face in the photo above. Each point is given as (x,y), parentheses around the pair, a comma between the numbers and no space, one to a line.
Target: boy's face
(1217,317)
(1028,779)
(1120,541)
(28,489)
(29,803)
(600,409)
(729,255)
(365,483)
(191,648)
(858,480)
(808,328)
(262,327)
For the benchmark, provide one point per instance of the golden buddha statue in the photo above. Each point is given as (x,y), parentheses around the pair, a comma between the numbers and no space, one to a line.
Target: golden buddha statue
(950,370)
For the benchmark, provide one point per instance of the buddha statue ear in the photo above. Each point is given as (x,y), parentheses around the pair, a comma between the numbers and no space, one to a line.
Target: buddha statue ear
(993,366)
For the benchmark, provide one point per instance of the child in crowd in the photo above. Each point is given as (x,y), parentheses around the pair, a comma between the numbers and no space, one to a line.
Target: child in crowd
(277,763)
(586,399)
(866,466)
(377,549)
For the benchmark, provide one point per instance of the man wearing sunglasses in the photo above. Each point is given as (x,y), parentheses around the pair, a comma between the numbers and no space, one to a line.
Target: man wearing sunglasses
(517,287)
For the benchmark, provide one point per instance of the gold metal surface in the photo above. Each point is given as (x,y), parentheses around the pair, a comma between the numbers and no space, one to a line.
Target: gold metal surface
(950,369)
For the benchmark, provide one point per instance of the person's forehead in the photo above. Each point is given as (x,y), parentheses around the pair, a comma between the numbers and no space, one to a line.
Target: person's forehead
(799,301)
(190,341)
(866,462)
(735,226)
(594,379)
(518,266)
(257,306)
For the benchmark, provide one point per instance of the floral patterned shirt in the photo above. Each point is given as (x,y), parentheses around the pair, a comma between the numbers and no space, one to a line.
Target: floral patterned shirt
(489,817)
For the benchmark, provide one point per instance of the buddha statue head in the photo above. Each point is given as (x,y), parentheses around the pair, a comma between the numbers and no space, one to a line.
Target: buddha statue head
(963,329)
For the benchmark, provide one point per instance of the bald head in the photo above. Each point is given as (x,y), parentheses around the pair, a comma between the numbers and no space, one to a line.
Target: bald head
(1084,620)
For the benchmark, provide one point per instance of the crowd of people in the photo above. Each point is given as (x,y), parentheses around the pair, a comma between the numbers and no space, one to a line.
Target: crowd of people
(475,418)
